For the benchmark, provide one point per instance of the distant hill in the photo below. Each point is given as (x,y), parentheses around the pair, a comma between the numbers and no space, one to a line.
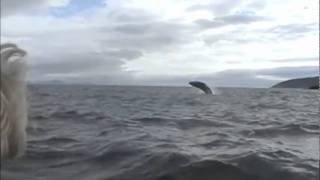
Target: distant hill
(304,83)
(48,82)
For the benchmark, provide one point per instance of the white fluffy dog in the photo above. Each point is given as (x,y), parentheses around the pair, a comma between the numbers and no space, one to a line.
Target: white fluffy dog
(13,101)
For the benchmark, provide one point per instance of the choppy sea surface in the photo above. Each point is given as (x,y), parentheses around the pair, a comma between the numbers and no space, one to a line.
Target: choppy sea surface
(169,133)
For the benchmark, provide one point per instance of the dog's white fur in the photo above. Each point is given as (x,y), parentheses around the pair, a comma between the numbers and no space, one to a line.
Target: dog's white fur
(13,101)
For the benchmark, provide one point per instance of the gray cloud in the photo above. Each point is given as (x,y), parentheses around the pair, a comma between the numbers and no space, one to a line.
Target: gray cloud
(83,65)
(80,64)
(228,78)
(92,70)
(97,53)
(76,64)
(240,19)
(306,59)
(293,31)
(235,19)
(95,49)
(148,36)
(276,33)
(256,5)
(293,28)
(130,15)
(11,6)
(122,54)
(233,37)
(219,8)
(291,72)
(14,7)
(233,62)
(252,78)
(237,77)
(133,28)
(152,27)
(227,7)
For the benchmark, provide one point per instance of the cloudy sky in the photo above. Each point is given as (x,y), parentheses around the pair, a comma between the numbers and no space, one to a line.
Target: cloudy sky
(251,43)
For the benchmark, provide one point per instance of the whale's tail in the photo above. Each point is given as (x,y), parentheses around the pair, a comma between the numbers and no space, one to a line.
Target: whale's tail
(13,114)
(201,86)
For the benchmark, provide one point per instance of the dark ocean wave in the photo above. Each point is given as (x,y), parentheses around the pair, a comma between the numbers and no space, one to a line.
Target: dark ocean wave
(177,166)
(208,170)
(132,133)
(185,123)
(289,129)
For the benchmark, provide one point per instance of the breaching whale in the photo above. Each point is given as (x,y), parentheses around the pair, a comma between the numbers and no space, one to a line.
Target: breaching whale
(201,86)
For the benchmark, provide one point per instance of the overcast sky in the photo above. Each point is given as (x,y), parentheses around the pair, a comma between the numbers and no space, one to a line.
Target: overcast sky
(252,43)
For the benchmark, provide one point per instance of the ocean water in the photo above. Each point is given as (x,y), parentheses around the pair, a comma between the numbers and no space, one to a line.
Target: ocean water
(169,133)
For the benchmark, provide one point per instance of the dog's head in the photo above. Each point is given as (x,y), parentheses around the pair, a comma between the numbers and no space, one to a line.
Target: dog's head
(13,63)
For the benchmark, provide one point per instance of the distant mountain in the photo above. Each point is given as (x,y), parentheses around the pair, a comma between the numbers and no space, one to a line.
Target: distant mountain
(48,82)
(304,83)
